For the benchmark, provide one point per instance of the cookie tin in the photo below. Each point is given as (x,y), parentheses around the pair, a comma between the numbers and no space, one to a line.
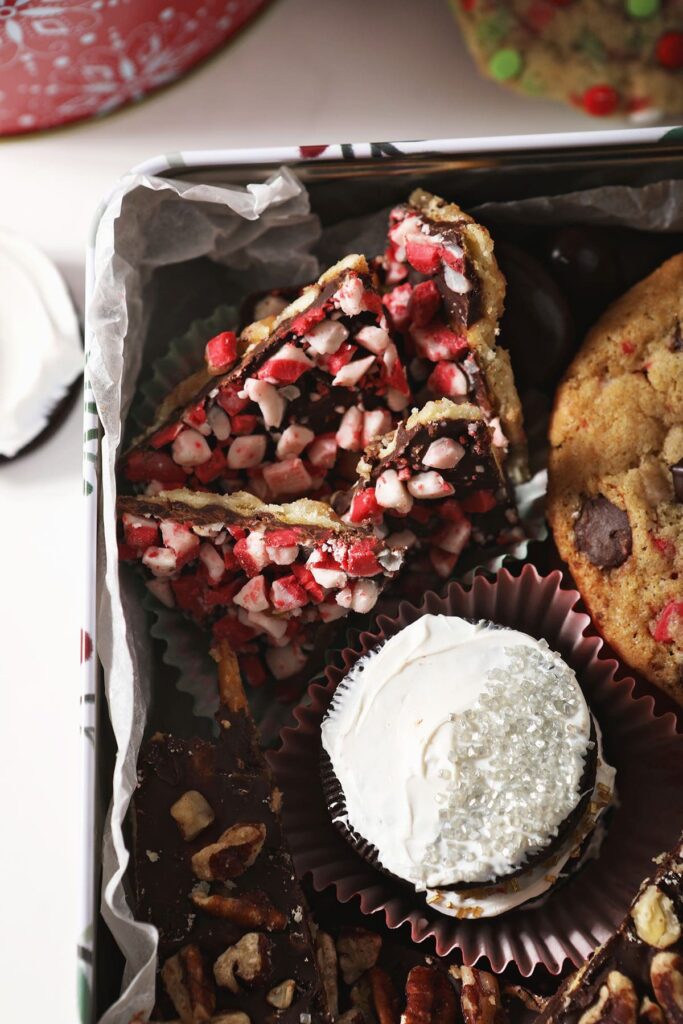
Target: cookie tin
(343,180)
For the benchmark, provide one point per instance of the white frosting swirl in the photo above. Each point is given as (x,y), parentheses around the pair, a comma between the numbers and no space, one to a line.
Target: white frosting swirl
(460,749)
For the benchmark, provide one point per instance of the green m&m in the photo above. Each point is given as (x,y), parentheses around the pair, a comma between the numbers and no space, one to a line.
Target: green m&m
(642,8)
(505,64)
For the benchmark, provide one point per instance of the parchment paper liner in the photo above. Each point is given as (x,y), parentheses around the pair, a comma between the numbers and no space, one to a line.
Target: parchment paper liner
(645,749)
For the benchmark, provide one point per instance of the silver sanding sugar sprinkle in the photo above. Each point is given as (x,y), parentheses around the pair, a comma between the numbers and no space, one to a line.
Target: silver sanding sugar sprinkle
(516,760)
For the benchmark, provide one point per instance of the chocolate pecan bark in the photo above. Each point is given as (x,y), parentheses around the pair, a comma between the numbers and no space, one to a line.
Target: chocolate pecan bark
(283,411)
(444,293)
(263,577)
(214,875)
(438,483)
(638,973)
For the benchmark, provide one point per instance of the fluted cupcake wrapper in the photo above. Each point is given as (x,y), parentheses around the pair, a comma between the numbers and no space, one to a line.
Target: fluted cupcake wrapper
(645,749)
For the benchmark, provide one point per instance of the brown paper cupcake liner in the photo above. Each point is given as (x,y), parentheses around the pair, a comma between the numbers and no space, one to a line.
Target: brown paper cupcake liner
(574,918)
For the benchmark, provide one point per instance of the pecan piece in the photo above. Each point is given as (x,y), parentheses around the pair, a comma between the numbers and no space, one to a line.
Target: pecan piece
(666,975)
(358,951)
(384,996)
(616,1003)
(231,855)
(192,814)
(248,960)
(189,986)
(326,956)
(655,920)
(480,997)
(650,1013)
(250,910)
(430,997)
(282,995)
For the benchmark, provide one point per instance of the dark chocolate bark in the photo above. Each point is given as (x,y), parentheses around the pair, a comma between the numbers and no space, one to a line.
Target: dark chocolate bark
(248,889)
(638,972)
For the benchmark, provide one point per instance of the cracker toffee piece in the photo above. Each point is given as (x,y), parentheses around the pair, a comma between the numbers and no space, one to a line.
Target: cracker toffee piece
(615,495)
(444,293)
(437,480)
(214,875)
(284,411)
(263,577)
(637,974)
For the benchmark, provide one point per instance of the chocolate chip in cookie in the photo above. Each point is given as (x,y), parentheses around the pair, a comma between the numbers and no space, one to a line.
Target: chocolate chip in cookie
(602,533)
(677,477)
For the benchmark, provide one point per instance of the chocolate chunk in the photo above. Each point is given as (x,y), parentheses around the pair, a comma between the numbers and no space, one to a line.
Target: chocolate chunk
(603,533)
(677,477)
(677,343)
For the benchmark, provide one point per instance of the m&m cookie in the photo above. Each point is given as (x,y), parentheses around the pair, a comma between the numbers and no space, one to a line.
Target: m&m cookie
(606,57)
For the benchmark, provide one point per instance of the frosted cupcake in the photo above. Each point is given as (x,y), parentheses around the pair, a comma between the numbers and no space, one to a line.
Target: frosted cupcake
(463,759)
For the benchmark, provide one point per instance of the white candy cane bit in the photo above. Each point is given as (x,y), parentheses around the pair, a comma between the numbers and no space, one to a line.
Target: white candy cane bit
(219,421)
(350,374)
(190,448)
(212,561)
(444,453)
(293,440)
(326,337)
(365,594)
(246,451)
(161,561)
(285,661)
(390,492)
(429,485)
(269,400)
(374,339)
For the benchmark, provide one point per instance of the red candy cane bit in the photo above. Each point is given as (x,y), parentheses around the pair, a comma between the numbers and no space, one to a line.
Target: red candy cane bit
(364,506)
(668,627)
(166,435)
(235,632)
(252,669)
(212,469)
(628,348)
(221,351)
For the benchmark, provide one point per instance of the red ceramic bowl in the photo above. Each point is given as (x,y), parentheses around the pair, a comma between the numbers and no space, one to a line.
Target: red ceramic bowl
(71,59)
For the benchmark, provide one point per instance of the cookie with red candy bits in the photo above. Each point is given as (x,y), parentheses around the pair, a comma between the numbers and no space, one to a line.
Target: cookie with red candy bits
(615,495)
(263,578)
(444,293)
(285,410)
(622,57)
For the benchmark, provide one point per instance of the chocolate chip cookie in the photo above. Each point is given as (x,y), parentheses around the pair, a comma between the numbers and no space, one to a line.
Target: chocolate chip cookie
(615,500)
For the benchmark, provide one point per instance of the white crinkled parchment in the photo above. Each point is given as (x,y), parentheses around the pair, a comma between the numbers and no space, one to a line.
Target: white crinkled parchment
(262,232)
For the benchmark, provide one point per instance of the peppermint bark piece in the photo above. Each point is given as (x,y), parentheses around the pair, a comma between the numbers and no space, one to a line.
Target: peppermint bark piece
(637,974)
(313,385)
(445,293)
(263,577)
(438,484)
(214,875)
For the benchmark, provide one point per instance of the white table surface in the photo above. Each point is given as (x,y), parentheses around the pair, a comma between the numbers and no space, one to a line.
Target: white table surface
(306,72)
